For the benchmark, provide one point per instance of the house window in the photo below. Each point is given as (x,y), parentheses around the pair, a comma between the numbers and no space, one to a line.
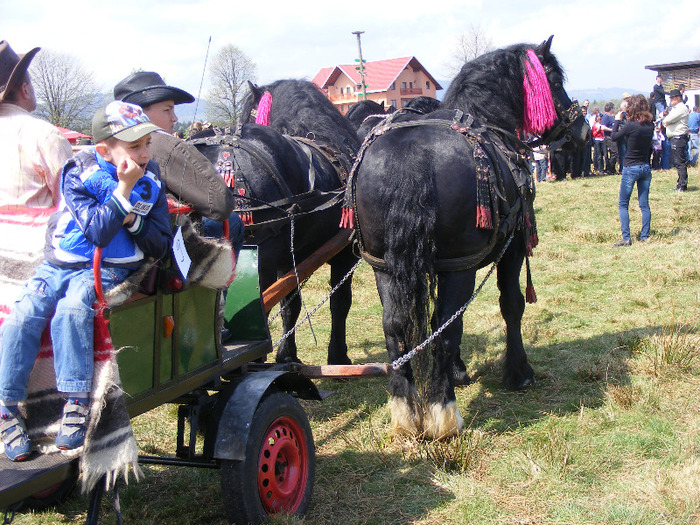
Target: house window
(358,87)
(393,86)
(403,85)
(393,104)
(427,85)
(341,90)
(410,85)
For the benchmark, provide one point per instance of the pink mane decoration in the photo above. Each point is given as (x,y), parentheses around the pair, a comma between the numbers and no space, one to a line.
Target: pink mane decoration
(539,106)
(264,106)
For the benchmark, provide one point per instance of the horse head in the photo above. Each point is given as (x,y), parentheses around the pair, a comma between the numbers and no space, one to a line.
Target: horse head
(569,128)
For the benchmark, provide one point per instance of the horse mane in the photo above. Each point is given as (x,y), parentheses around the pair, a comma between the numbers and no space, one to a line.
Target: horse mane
(423,105)
(299,109)
(484,87)
(363,109)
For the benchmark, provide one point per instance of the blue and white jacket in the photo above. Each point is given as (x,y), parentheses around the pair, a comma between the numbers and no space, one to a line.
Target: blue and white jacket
(91,214)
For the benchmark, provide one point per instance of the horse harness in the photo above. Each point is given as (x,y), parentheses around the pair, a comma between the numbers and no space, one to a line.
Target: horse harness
(264,219)
(491,146)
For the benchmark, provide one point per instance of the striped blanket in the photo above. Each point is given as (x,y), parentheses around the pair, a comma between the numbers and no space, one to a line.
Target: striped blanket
(110,448)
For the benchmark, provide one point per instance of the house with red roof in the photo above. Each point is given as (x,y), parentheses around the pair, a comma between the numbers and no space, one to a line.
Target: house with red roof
(394,82)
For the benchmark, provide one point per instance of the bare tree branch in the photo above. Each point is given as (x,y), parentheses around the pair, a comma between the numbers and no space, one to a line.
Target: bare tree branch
(66,93)
(229,72)
(470,44)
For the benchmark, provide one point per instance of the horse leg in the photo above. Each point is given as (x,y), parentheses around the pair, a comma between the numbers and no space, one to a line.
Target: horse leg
(460,372)
(517,373)
(340,307)
(404,405)
(291,307)
(270,268)
(442,418)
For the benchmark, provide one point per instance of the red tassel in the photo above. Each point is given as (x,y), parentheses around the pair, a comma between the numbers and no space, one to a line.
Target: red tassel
(530,295)
(528,222)
(483,218)
(534,240)
(347,219)
(246,217)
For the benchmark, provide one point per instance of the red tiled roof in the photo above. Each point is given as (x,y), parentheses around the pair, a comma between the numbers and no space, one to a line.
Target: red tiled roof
(379,75)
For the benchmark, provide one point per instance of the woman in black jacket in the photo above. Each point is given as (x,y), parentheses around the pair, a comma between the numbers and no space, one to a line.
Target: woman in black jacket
(638,131)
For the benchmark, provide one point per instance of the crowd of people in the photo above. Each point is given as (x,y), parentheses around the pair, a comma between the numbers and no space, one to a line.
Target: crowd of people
(675,130)
(641,135)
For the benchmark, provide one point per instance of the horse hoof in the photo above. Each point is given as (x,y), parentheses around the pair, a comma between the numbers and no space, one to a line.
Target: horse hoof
(462,378)
(283,360)
(527,383)
(342,361)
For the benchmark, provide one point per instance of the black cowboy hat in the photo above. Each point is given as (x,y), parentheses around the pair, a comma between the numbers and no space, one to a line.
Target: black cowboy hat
(674,93)
(146,87)
(12,67)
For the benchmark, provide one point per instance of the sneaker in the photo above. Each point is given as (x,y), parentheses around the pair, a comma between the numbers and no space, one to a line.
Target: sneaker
(73,425)
(14,437)
(622,243)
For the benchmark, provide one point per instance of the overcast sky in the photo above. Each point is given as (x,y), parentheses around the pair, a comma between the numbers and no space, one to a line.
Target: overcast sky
(600,44)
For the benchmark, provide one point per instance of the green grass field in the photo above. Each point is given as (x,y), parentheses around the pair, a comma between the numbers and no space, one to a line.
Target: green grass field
(610,435)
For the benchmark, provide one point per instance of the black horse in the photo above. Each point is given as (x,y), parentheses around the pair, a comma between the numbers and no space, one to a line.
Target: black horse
(440,196)
(364,116)
(276,176)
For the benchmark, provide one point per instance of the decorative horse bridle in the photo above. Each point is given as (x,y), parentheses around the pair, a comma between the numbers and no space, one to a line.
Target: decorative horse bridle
(565,119)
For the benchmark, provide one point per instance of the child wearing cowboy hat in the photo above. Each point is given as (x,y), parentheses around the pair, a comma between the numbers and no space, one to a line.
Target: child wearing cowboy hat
(187,173)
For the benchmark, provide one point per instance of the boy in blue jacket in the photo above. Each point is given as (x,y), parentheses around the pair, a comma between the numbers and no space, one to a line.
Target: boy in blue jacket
(111,197)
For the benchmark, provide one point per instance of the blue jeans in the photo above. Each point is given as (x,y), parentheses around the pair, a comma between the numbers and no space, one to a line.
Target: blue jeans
(666,155)
(659,109)
(642,176)
(541,166)
(236,230)
(64,298)
(693,147)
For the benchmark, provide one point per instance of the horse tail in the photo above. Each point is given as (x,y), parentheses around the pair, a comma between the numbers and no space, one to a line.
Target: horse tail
(410,249)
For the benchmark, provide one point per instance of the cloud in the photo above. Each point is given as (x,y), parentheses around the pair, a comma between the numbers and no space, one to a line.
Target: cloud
(599,43)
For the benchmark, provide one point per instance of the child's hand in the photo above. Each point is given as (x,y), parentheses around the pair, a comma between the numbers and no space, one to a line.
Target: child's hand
(128,173)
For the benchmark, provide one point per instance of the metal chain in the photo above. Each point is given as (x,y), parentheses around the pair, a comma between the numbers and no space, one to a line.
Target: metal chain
(398,363)
(323,301)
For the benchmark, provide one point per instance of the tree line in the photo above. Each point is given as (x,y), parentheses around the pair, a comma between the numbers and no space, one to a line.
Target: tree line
(67,95)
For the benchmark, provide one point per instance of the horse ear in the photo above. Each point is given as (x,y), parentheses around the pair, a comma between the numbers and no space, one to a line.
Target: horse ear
(544,49)
(255,91)
(382,105)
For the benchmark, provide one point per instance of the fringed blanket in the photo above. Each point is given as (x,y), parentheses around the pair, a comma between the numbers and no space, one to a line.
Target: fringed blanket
(110,447)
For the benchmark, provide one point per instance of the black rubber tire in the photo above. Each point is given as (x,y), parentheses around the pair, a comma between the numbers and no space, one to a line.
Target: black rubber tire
(52,496)
(280,435)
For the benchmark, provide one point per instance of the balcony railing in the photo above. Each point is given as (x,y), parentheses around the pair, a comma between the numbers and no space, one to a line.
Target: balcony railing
(411,91)
(344,96)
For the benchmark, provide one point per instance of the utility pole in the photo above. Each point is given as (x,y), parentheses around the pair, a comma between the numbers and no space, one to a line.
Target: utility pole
(361,67)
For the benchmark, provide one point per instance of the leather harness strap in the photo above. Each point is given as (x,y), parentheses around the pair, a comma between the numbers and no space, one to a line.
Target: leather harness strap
(495,148)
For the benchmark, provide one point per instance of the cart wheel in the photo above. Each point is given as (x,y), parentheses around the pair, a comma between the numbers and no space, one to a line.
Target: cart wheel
(51,496)
(277,474)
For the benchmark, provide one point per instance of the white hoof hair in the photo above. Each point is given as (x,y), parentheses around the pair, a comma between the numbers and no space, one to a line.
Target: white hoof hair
(404,419)
(442,421)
